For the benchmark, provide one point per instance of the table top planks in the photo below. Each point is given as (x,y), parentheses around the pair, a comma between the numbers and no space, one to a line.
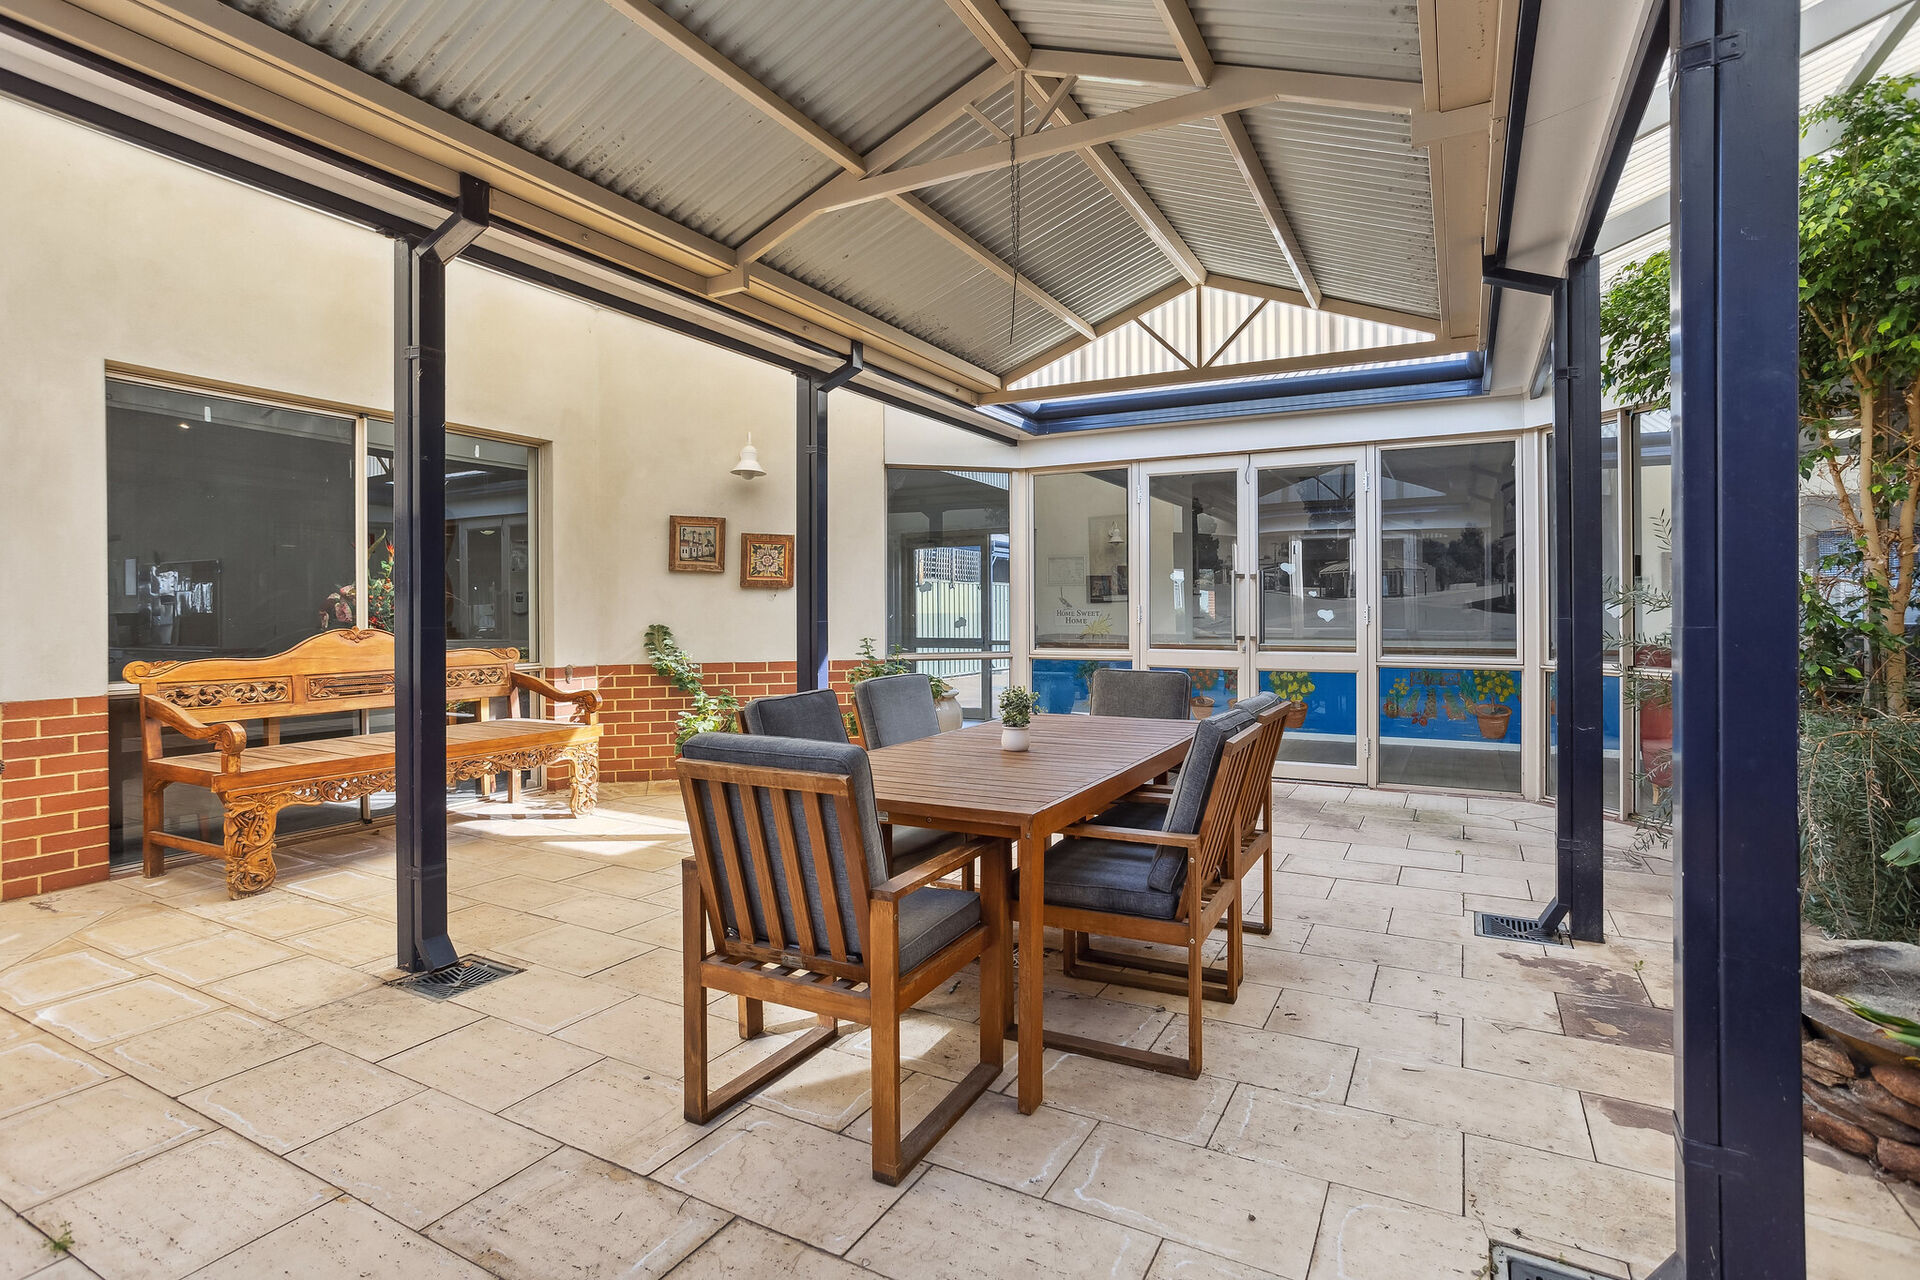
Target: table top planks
(1072,765)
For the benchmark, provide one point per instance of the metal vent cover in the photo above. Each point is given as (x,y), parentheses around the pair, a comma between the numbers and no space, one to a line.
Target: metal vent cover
(1491,924)
(463,974)
(1513,1264)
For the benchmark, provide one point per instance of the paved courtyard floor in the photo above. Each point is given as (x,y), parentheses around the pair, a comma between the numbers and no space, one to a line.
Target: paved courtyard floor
(195,1086)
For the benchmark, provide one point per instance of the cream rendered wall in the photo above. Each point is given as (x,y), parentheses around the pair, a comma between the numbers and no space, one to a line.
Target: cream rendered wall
(115,254)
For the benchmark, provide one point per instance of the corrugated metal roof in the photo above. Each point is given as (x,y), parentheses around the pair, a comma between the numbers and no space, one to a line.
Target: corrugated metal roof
(1344,37)
(1359,196)
(858,68)
(881,260)
(1098,26)
(575,83)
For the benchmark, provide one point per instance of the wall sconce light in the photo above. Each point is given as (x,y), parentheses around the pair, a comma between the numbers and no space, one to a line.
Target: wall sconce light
(1114,536)
(749,468)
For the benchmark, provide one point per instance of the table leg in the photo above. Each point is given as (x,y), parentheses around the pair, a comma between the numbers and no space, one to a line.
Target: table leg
(1033,966)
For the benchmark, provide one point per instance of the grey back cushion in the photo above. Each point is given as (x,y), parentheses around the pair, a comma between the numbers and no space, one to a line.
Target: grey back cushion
(1190,793)
(1258,702)
(1142,695)
(896,709)
(814,715)
(756,752)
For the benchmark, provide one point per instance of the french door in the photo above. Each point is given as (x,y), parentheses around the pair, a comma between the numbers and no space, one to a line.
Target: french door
(1254,574)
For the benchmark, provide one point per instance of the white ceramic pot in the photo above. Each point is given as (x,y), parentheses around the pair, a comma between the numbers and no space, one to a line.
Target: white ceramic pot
(948,709)
(1012,739)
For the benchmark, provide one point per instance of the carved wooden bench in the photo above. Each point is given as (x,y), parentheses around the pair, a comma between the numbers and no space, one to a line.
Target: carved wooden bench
(212,700)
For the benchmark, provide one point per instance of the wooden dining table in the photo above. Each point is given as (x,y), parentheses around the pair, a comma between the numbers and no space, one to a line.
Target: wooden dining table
(1076,766)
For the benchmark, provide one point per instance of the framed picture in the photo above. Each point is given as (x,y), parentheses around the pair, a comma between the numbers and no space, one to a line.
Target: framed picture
(697,544)
(1099,588)
(766,560)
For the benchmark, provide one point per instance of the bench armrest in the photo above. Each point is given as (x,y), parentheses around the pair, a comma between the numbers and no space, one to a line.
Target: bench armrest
(227,736)
(919,877)
(586,702)
(1132,835)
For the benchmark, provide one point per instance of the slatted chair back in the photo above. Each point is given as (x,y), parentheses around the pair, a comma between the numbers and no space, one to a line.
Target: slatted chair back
(787,844)
(1235,786)
(1273,727)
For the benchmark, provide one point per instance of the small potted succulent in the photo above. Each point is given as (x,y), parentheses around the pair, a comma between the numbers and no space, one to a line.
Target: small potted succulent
(1016,713)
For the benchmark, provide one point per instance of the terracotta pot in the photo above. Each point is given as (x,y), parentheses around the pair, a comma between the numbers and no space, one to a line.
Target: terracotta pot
(1202,708)
(1493,718)
(1296,715)
(948,709)
(1013,739)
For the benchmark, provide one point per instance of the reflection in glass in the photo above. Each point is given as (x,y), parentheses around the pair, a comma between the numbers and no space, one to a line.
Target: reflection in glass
(1449,551)
(1081,560)
(1214,688)
(1609,734)
(1652,534)
(1064,685)
(229,525)
(1193,528)
(1308,583)
(947,557)
(489,545)
(977,682)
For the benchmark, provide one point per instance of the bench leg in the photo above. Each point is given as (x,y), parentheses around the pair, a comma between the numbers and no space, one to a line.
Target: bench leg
(249,843)
(153,816)
(583,792)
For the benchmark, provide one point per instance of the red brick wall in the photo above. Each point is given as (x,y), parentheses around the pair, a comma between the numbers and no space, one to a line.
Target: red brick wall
(53,794)
(638,709)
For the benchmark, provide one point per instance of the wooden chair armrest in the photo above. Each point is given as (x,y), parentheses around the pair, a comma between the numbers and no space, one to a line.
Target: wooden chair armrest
(587,701)
(919,877)
(1153,793)
(1132,835)
(228,737)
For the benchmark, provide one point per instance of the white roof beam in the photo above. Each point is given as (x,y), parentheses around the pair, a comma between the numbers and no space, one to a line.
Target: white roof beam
(1254,174)
(1332,306)
(931,218)
(995,31)
(1185,33)
(730,75)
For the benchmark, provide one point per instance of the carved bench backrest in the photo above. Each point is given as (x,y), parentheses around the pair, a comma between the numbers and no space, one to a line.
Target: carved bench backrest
(333,671)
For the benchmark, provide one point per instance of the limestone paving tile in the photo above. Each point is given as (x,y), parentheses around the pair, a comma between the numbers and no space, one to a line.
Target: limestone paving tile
(1330,1142)
(37,1069)
(37,982)
(289,1102)
(68,1143)
(992,1141)
(615,1111)
(115,1013)
(1610,1070)
(1177,1261)
(341,1238)
(1615,1213)
(541,1000)
(1373,1237)
(381,1021)
(1539,1115)
(1235,1208)
(1153,1102)
(744,1249)
(292,986)
(1271,1059)
(186,1055)
(1434,1037)
(169,1215)
(1631,1135)
(1467,998)
(130,931)
(570,1214)
(952,1227)
(223,955)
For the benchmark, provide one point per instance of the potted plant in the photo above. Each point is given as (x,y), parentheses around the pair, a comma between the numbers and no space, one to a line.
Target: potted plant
(946,704)
(1293,687)
(1203,702)
(1016,713)
(1485,693)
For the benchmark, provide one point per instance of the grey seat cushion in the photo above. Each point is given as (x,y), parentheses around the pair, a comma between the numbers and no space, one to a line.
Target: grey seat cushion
(1141,815)
(896,709)
(914,845)
(1190,791)
(932,918)
(1258,702)
(1107,875)
(1141,695)
(814,715)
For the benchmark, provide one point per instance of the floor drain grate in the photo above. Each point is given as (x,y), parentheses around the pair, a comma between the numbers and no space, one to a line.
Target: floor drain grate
(462,975)
(1491,924)
(1511,1264)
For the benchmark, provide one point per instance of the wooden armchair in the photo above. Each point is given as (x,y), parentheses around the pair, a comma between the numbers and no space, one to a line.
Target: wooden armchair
(1162,886)
(789,883)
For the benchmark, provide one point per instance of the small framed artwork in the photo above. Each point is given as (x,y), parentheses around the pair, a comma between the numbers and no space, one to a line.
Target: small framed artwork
(697,544)
(1099,588)
(766,560)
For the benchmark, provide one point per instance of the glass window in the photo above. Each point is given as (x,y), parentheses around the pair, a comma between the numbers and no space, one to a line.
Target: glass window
(1214,689)
(947,560)
(1065,685)
(489,581)
(1449,550)
(1609,740)
(1308,586)
(1193,526)
(229,524)
(1450,729)
(977,682)
(1652,536)
(1081,556)
(1327,730)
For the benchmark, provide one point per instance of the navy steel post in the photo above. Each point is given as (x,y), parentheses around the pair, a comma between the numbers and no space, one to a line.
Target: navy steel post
(810,534)
(1736,483)
(419,579)
(1579,798)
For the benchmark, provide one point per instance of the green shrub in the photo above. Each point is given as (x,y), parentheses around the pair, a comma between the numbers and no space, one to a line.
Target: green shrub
(713,709)
(1859,788)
